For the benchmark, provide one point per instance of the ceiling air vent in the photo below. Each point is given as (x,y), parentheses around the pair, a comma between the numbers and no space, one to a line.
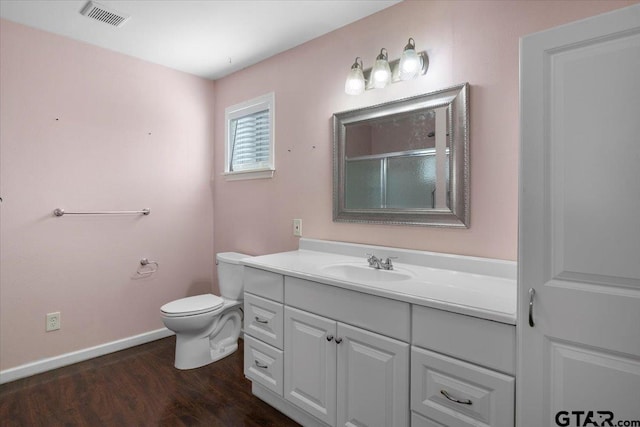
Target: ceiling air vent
(104,14)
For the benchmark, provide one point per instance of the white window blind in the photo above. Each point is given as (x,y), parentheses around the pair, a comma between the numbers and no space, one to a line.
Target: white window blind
(250,141)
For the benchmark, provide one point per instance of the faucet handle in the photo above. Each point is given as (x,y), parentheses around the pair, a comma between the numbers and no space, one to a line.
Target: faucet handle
(387,264)
(373,261)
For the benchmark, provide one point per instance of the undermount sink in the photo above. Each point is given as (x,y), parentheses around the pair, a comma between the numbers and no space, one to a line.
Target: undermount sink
(363,273)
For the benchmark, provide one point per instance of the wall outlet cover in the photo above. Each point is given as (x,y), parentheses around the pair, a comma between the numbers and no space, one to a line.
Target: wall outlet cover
(297,227)
(53,321)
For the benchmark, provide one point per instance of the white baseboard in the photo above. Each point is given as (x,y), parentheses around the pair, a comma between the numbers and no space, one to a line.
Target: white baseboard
(48,364)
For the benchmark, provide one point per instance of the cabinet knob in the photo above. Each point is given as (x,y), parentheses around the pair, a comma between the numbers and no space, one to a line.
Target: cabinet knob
(329,337)
(338,340)
(261,365)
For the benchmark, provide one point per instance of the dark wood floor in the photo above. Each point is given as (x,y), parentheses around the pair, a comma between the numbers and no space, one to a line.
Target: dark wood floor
(138,387)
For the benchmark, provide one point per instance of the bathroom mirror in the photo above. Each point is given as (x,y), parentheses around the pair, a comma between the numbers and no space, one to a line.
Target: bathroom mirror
(404,162)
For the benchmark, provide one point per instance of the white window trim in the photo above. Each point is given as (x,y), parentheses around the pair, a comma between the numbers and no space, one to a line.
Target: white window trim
(240,110)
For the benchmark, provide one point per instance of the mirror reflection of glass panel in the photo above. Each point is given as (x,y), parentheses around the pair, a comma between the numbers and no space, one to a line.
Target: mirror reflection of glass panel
(411,181)
(400,151)
(365,184)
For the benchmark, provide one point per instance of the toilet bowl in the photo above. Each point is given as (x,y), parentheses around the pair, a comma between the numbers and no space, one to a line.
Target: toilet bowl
(207,326)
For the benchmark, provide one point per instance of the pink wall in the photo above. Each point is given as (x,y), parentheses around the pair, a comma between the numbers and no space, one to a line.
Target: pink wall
(131,134)
(83,128)
(467,41)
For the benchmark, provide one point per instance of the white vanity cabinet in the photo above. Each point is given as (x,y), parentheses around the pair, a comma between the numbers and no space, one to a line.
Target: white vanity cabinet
(263,320)
(335,369)
(462,370)
(344,375)
(336,353)
(263,328)
(310,377)
(373,379)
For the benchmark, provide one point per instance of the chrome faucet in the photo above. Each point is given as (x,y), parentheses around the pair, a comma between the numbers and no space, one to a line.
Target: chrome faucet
(378,264)
(374,261)
(387,264)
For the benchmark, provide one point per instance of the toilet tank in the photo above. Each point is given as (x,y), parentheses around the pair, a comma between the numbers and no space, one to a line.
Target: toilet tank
(230,275)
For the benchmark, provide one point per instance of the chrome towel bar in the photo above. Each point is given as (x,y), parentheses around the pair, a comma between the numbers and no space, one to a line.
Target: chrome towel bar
(60,212)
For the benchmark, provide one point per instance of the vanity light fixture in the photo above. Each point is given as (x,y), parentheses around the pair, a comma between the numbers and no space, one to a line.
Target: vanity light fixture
(410,65)
(410,62)
(381,72)
(355,80)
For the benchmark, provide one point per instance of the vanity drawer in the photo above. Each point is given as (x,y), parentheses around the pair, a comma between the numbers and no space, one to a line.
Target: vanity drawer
(380,315)
(481,341)
(264,283)
(420,421)
(263,364)
(263,319)
(486,397)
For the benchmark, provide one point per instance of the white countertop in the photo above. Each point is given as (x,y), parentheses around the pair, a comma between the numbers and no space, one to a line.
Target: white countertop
(479,295)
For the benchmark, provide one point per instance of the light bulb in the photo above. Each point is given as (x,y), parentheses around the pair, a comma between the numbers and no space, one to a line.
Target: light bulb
(355,80)
(410,63)
(381,72)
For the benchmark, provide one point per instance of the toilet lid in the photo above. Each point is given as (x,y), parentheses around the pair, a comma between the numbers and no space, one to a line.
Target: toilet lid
(193,305)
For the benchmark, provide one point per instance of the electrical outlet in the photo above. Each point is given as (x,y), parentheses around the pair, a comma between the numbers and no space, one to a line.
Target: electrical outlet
(53,321)
(297,227)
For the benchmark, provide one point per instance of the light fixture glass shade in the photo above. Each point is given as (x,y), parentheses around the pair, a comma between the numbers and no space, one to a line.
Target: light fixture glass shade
(410,62)
(381,72)
(355,80)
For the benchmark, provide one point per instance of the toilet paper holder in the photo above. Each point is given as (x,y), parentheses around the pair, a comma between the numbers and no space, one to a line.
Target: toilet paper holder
(147,267)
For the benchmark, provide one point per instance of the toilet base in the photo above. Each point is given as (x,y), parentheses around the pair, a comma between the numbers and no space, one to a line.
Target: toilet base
(197,354)
(224,352)
(197,351)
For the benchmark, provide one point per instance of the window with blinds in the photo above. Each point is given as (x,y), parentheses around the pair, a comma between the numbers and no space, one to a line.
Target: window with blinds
(249,142)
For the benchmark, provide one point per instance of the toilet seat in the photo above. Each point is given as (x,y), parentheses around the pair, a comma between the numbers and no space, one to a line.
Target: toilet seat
(191,306)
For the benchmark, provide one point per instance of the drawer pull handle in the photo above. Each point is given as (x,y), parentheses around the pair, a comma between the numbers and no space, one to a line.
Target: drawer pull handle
(261,365)
(453,399)
(259,320)
(338,340)
(329,337)
(532,293)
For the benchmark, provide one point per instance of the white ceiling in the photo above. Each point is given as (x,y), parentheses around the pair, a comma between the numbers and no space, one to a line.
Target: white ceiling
(208,38)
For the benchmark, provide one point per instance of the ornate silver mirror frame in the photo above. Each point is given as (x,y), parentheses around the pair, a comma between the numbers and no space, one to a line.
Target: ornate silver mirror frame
(450,107)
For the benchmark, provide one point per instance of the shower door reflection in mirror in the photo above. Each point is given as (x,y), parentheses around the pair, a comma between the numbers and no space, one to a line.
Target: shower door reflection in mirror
(404,162)
(392,162)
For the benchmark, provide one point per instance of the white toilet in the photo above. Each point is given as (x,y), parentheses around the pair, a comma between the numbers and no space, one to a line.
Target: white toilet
(207,326)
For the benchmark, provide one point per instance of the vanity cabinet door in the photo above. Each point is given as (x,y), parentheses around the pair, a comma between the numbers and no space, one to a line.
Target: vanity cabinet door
(310,363)
(373,379)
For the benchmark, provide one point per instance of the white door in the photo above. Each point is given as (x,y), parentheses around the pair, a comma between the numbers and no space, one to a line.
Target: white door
(310,363)
(373,379)
(579,238)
